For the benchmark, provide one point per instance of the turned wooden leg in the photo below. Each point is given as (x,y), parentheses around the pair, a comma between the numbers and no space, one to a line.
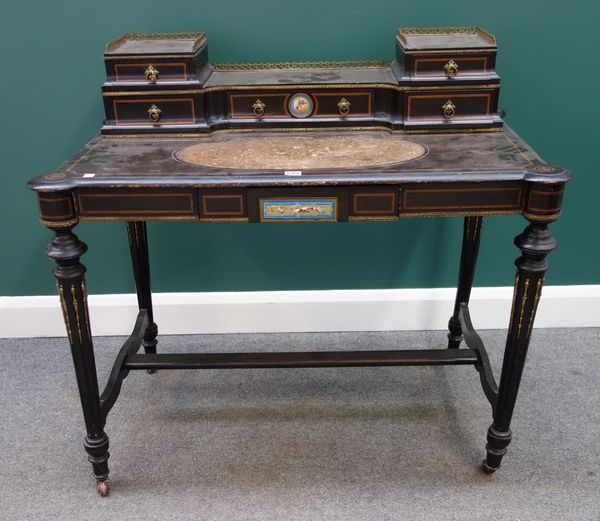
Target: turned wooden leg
(138,244)
(535,244)
(468,261)
(65,249)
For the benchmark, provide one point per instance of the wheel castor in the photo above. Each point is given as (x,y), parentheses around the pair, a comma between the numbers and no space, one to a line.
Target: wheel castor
(487,469)
(103,488)
(151,371)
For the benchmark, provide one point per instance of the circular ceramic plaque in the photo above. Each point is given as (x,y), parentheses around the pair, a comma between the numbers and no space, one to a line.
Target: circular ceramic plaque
(300,105)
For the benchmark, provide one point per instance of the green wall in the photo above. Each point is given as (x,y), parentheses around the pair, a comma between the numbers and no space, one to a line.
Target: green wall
(52,69)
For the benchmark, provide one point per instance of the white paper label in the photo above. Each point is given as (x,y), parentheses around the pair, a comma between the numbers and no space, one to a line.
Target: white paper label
(292,172)
(89,175)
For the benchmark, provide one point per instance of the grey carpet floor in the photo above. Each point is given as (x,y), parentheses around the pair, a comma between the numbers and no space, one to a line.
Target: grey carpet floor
(304,444)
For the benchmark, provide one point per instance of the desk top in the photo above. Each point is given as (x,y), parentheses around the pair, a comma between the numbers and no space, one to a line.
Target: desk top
(300,158)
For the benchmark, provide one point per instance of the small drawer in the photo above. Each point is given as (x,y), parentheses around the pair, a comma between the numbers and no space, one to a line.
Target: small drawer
(450,106)
(374,203)
(153,111)
(151,72)
(219,205)
(451,66)
(336,104)
(258,105)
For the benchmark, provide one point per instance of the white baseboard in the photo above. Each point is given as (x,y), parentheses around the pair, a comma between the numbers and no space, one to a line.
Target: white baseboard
(300,311)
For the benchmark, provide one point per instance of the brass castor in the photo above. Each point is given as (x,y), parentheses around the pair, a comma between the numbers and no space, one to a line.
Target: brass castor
(103,488)
(487,469)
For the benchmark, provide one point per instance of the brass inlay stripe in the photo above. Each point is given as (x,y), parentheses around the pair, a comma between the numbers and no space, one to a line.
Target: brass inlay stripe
(523,302)
(76,307)
(85,310)
(63,305)
(538,293)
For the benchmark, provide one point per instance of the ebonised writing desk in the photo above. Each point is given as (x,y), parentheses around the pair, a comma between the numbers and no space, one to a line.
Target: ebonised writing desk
(298,168)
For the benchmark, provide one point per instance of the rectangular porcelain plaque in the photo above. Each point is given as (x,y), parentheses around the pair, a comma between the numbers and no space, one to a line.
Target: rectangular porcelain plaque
(314,209)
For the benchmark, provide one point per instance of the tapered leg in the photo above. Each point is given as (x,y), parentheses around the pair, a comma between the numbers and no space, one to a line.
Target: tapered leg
(468,261)
(138,244)
(535,244)
(65,249)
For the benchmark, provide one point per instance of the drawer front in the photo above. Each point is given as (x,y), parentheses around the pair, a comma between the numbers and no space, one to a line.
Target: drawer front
(155,72)
(314,104)
(336,104)
(142,203)
(461,199)
(367,204)
(258,105)
(222,205)
(450,106)
(154,111)
(449,66)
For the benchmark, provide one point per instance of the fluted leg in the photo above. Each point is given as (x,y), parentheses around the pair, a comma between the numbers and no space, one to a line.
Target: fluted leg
(468,261)
(535,244)
(138,244)
(65,249)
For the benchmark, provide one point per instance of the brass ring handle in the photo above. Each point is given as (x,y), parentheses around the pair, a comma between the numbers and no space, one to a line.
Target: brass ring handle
(448,109)
(451,69)
(258,107)
(151,74)
(344,106)
(154,113)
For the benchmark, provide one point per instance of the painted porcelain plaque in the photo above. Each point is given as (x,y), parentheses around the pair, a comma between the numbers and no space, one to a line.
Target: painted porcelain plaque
(300,105)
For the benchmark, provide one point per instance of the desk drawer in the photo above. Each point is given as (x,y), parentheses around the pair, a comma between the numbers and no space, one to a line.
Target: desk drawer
(258,105)
(142,203)
(451,66)
(448,106)
(152,110)
(150,72)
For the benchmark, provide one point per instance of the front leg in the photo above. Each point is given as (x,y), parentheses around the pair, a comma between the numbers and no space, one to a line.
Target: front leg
(535,244)
(138,245)
(65,249)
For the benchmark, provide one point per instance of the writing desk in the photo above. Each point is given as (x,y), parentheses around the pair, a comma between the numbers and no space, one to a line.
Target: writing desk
(339,175)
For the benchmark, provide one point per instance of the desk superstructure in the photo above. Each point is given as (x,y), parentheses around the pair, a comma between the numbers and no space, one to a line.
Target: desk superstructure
(291,143)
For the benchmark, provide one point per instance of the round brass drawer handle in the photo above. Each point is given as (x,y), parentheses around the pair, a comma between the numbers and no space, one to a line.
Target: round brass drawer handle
(344,106)
(258,107)
(448,109)
(154,113)
(451,69)
(151,74)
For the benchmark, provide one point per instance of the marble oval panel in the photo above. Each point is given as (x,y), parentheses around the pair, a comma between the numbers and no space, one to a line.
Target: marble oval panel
(302,152)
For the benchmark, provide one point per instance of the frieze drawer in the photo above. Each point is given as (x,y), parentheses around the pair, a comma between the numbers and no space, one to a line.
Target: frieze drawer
(152,110)
(301,105)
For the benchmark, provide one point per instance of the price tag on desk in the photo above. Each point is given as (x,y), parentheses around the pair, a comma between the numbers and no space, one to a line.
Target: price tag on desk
(292,172)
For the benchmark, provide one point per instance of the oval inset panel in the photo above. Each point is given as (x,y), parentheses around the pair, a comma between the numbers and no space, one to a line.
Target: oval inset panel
(302,152)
